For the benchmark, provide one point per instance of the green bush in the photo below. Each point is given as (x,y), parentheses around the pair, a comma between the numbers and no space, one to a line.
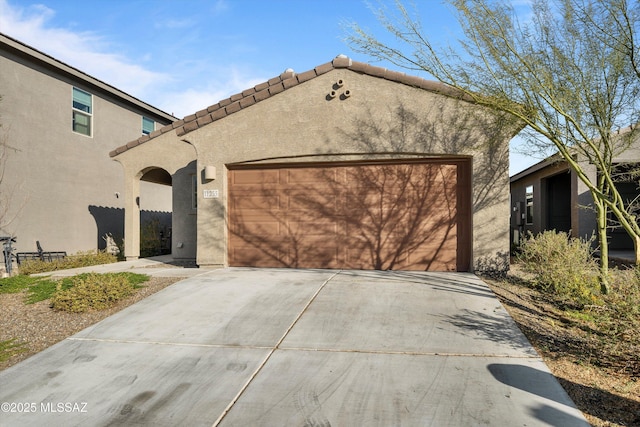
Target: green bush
(94,291)
(561,265)
(81,259)
(150,242)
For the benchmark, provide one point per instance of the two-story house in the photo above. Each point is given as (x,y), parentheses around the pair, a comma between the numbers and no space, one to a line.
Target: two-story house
(58,125)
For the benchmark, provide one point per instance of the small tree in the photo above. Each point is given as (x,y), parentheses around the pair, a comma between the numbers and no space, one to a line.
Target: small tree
(570,73)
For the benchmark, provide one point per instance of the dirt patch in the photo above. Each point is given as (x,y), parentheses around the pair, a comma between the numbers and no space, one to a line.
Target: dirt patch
(38,326)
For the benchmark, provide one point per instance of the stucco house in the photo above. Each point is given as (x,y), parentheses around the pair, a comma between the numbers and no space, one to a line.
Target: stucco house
(346,165)
(58,125)
(550,196)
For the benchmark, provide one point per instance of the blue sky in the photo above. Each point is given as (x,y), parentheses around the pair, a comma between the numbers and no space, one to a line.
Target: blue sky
(184,55)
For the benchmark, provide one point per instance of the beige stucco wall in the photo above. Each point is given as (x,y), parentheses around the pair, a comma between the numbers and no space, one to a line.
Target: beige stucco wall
(61,180)
(380,118)
(178,159)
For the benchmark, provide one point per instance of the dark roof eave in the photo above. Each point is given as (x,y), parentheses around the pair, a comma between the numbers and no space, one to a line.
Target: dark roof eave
(549,161)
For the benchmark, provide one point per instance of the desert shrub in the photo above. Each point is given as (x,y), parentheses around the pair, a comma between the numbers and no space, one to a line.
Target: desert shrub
(624,299)
(561,265)
(81,259)
(94,291)
(150,242)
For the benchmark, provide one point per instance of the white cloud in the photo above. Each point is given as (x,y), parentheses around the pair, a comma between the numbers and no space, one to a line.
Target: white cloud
(221,6)
(198,83)
(83,50)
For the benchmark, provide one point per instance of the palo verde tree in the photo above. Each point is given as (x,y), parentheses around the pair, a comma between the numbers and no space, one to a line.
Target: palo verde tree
(569,70)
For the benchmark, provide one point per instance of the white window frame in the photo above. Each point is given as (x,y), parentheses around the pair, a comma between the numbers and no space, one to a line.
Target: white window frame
(80,112)
(528,206)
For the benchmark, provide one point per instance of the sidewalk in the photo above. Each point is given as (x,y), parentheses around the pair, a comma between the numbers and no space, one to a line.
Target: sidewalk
(160,266)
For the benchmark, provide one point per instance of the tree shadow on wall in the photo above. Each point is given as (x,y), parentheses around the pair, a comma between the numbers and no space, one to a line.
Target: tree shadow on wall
(445,127)
(377,216)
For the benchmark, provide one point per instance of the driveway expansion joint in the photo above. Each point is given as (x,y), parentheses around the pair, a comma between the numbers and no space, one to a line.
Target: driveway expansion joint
(268,356)
(180,344)
(413,353)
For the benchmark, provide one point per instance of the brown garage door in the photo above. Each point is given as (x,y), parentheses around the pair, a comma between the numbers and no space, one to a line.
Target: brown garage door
(383,216)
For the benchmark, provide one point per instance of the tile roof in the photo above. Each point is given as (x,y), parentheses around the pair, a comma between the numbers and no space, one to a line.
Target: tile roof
(284,81)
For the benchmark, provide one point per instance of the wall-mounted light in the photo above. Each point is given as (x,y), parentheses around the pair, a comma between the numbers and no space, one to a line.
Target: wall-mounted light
(209,173)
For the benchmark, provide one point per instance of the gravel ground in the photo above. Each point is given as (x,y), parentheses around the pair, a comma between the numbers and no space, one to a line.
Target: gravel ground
(40,327)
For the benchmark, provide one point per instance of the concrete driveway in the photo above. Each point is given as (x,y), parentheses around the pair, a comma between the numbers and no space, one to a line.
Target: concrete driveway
(271,347)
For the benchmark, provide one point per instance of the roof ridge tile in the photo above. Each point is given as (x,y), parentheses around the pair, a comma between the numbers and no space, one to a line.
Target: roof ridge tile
(307,75)
(323,68)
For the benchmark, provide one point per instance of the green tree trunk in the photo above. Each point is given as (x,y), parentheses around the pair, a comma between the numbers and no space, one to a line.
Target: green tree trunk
(604,247)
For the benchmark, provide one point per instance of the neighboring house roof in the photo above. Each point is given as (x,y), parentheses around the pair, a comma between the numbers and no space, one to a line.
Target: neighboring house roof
(551,160)
(24,50)
(281,83)
(557,157)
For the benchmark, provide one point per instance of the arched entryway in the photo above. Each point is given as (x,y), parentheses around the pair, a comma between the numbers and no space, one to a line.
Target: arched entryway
(156,208)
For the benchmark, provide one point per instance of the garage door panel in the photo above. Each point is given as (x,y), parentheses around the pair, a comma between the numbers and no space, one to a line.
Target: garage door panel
(378,216)
(256,202)
(312,201)
(322,176)
(316,256)
(251,255)
(259,228)
(314,228)
(255,176)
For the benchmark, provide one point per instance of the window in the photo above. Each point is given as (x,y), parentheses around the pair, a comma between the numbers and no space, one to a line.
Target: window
(194,192)
(82,111)
(529,205)
(148,126)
